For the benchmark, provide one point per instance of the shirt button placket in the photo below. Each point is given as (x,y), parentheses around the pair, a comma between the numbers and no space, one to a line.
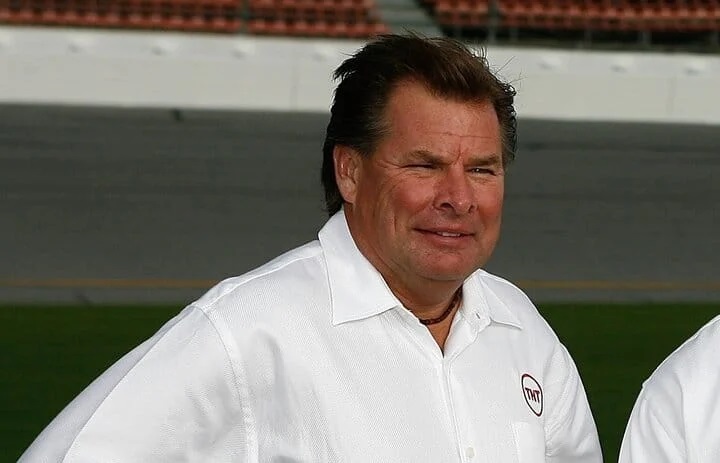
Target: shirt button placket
(447,393)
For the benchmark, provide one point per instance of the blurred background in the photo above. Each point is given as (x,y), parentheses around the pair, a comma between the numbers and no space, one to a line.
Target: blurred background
(149,148)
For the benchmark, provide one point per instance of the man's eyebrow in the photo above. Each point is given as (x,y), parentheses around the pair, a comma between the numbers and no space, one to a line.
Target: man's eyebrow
(425,156)
(485,160)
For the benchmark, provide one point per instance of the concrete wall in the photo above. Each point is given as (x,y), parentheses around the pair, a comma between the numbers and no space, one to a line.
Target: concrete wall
(153,69)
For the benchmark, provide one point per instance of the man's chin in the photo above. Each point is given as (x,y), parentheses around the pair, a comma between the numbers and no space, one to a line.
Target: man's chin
(448,274)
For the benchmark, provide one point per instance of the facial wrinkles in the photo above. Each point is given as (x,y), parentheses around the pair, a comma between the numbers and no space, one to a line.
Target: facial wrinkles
(461,135)
(386,180)
(392,181)
(390,186)
(460,142)
(458,119)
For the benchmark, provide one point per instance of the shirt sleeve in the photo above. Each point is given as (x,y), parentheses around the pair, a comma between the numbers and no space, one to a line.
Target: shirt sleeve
(654,434)
(172,398)
(571,435)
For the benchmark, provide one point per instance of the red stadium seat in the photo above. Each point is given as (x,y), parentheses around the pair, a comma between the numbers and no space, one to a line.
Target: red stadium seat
(189,15)
(359,18)
(329,18)
(464,13)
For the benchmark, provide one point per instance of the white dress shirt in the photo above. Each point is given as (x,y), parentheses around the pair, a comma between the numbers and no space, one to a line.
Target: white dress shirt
(676,417)
(311,358)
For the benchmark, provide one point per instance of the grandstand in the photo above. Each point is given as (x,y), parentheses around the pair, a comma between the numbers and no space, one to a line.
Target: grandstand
(683,23)
(290,47)
(286,49)
(153,53)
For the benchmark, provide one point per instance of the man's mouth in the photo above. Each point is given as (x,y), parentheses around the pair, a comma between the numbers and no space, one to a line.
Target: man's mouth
(448,234)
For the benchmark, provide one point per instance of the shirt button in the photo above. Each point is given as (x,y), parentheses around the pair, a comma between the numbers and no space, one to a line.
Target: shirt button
(469,452)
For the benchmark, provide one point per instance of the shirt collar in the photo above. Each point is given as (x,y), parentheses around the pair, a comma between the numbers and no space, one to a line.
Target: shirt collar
(482,305)
(358,290)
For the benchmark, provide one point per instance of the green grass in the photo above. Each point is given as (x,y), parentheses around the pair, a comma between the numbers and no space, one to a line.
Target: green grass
(616,347)
(49,354)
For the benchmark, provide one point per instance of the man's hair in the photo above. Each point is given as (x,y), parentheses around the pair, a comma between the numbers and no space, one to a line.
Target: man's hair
(446,67)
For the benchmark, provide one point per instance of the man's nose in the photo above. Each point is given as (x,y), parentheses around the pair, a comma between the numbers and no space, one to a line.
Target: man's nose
(455,192)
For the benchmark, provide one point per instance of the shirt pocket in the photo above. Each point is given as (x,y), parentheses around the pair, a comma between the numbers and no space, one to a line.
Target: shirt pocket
(529,442)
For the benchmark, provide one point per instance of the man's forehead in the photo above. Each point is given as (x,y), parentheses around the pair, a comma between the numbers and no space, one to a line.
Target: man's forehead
(472,157)
(415,104)
(466,122)
(474,135)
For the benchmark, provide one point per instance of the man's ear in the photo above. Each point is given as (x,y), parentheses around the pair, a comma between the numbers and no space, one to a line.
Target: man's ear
(348,167)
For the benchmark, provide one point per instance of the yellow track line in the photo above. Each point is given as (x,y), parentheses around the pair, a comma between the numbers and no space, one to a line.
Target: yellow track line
(170,283)
(621,285)
(106,283)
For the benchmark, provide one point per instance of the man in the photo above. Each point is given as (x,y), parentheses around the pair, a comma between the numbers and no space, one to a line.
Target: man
(383,341)
(676,417)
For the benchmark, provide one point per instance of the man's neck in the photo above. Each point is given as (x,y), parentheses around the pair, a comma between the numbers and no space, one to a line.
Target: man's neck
(432,304)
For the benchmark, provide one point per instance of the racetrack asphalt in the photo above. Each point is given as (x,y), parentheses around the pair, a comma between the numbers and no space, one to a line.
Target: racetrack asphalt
(105,205)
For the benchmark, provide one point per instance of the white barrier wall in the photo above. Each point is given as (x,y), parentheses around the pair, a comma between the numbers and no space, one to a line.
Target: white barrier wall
(159,69)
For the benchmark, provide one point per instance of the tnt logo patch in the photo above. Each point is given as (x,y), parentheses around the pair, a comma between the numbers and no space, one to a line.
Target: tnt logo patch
(533,394)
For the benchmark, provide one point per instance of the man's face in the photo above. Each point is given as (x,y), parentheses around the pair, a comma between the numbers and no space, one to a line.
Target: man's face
(427,204)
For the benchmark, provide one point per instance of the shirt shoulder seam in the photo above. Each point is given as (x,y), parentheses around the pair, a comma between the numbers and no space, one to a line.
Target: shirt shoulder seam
(240,386)
(115,386)
(247,278)
(573,378)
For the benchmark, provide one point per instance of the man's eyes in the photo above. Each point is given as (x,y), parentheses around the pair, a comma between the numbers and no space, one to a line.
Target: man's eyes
(482,170)
(471,170)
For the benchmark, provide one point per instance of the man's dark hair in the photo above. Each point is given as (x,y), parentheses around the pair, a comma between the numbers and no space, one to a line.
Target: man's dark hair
(446,67)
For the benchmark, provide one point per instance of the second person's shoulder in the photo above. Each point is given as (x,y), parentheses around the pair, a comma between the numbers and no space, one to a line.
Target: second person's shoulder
(694,362)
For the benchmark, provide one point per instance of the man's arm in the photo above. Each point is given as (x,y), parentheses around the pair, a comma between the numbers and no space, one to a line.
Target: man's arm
(570,429)
(173,398)
(652,436)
